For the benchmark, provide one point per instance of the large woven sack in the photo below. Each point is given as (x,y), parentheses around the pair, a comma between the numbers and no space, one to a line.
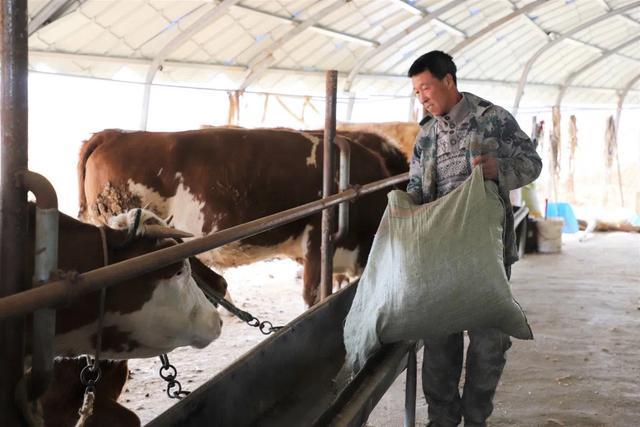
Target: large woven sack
(434,269)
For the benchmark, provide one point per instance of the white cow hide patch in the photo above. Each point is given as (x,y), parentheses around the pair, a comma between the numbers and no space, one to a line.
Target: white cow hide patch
(178,314)
(185,207)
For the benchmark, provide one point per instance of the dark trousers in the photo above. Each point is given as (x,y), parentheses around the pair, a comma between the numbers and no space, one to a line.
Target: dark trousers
(442,368)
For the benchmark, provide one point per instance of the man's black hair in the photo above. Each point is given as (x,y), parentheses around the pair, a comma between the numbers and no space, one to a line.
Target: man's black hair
(437,63)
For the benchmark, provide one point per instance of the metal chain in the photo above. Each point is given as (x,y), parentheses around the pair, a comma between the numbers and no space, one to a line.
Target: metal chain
(265,327)
(91,373)
(92,368)
(168,372)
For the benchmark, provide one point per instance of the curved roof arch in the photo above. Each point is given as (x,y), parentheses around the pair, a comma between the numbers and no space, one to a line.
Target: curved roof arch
(552,48)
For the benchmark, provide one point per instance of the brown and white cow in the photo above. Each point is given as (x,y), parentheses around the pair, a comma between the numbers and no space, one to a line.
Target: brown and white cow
(144,317)
(167,299)
(212,179)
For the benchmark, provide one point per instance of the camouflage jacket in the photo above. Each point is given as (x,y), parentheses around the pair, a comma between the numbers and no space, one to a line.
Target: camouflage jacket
(485,129)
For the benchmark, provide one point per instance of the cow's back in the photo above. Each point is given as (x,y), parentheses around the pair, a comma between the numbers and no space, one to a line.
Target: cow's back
(204,163)
(212,179)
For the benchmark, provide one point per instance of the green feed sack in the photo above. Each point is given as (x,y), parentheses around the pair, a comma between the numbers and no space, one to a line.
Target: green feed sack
(434,269)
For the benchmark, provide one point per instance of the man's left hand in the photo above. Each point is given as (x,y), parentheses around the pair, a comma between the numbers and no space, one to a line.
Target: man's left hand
(489,166)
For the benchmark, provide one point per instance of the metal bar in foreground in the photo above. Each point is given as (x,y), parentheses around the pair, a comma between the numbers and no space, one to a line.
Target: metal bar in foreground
(61,291)
(328,187)
(13,203)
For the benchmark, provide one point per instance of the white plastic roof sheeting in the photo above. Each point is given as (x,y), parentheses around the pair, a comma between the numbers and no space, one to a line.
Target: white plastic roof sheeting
(285,46)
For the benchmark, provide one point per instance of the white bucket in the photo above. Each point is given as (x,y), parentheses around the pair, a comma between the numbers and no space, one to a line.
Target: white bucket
(550,234)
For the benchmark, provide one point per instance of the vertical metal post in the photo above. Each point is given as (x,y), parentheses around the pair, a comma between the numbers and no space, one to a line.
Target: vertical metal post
(45,262)
(343,184)
(13,202)
(410,389)
(326,248)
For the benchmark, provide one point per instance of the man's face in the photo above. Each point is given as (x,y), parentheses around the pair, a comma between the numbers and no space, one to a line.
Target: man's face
(437,96)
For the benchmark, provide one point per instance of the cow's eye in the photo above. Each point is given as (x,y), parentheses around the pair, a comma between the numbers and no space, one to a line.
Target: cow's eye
(179,273)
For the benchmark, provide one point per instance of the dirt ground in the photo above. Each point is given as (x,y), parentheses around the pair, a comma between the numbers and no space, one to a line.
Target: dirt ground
(582,369)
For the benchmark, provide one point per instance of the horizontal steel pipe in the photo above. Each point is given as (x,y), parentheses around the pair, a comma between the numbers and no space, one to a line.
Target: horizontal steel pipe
(62,291)
(46,197)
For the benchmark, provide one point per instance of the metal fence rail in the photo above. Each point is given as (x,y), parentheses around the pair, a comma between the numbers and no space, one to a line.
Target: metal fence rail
(60,291)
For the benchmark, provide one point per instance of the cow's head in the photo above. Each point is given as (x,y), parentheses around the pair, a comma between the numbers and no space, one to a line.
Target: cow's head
(145,316)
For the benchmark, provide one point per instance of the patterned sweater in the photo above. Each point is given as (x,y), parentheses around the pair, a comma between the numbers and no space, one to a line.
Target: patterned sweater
(474,126)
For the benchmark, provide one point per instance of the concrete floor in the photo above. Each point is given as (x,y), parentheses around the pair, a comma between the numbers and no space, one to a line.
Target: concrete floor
(583,368)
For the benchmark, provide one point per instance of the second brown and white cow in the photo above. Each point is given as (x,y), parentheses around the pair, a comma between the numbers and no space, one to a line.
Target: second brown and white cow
(143,317)
(213,179)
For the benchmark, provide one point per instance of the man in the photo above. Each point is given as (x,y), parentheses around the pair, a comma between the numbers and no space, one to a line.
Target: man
(463,131)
